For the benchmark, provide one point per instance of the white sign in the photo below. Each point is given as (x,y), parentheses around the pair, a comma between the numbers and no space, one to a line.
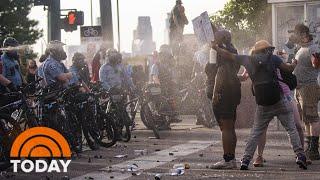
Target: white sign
(203,29)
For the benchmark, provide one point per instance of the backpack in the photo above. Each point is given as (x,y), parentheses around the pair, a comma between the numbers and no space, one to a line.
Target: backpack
(265,85)
(289,78)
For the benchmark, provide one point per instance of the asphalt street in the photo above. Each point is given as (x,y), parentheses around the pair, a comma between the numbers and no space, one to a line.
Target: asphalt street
(193,146)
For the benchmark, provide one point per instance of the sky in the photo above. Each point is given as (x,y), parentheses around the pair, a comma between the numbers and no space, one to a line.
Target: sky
(129,12)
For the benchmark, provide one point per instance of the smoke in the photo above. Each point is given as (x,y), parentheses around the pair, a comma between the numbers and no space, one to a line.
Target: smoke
(17,48)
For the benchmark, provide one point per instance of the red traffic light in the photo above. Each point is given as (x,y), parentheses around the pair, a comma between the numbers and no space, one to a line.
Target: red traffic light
(72,18)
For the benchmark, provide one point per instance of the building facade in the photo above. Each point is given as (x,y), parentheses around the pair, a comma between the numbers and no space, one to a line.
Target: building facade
(287,13)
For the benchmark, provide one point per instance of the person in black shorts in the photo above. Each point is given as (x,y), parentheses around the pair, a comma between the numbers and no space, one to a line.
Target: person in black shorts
(223,87)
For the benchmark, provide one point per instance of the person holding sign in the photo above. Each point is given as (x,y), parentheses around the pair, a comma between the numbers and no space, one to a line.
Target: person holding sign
(223,87)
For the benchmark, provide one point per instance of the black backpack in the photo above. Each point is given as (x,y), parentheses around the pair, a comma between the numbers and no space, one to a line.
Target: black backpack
(265,85)
(289,78)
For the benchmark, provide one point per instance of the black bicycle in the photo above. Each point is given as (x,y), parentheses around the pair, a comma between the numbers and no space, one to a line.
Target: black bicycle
(116,110)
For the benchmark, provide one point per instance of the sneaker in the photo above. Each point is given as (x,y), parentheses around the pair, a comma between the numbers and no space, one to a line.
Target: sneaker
(244,164)
(258,162)
(309,162)
(302,161)
(225,165)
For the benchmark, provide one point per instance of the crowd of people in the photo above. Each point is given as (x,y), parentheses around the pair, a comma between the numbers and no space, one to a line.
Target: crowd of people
(284,88)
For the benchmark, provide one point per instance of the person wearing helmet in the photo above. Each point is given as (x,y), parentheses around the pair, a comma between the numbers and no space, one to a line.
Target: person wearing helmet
(80,69)
(52,70)
(11,72)
(162,73)
(113,74)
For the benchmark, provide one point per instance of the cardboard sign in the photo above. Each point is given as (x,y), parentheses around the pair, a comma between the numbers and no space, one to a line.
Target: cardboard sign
(202,28)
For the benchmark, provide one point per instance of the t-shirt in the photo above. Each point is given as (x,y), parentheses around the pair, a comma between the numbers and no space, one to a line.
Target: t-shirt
(246,62)
(284,87)
(305,72)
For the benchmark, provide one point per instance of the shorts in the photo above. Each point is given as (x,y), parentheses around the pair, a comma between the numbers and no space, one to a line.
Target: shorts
(307,98)
(224,112)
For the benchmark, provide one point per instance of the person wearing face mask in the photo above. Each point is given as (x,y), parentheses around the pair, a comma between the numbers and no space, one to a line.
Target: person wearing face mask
(223,87)
(80,68)
(10,64)
(52,70)
(113,74)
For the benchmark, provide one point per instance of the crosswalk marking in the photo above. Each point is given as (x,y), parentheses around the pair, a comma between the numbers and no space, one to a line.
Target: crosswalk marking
(149,161)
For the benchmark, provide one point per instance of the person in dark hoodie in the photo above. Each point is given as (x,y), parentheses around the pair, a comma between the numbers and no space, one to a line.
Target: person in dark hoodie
(223,87)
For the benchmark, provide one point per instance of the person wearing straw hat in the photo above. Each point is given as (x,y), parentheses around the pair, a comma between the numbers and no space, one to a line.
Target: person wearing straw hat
(261,67)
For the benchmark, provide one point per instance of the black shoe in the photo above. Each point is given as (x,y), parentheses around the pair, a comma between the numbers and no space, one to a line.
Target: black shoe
(313,150)
(302,161)
(244,164)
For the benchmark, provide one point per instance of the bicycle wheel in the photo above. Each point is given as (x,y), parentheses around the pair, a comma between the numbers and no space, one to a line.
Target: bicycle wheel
(90,128)
(107,132)
(7,139)
(148,119)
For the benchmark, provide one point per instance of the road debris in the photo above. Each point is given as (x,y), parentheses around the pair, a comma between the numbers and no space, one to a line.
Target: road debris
(121,156)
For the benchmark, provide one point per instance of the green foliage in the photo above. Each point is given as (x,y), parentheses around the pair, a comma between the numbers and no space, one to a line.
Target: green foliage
(14,21)
(248,20)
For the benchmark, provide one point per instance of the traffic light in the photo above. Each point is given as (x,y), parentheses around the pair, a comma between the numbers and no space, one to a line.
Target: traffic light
(72,20)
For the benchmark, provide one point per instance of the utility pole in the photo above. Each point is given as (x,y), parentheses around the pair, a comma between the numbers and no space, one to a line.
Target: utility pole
(106,22)
(91,12)
(118,19)
(54,31)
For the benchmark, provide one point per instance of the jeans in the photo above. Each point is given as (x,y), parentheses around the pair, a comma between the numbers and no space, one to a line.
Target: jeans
(264,114)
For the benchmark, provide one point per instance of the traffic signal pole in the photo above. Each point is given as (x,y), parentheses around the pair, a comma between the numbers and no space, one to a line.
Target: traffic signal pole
(54,31)
(106,22)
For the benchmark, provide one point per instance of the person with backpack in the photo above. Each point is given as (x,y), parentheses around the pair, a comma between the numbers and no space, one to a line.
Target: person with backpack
(261,67)
(308,90)
(224,88)
(288,83)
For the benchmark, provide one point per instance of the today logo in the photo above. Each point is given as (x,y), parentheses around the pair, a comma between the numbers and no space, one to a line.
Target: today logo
(34,145)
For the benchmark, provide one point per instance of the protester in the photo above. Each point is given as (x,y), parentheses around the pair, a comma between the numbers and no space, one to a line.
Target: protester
(223,86)
(98,59)
(162,74)
(261,67)
(177,22)
(31,71)
(308,91)
(290,97)
(52,70)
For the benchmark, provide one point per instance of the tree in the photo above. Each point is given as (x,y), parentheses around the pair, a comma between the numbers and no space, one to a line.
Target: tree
(14,21)
(248,20)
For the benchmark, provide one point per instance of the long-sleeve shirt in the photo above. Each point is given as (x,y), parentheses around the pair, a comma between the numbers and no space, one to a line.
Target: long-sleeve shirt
(115,77)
